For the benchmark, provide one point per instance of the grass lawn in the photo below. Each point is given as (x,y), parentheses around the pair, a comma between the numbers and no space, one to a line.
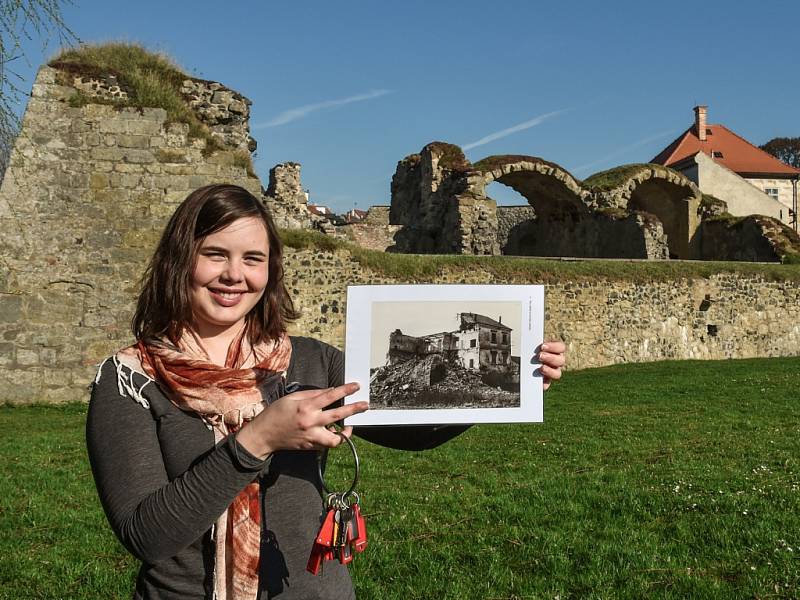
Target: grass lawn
(661,480)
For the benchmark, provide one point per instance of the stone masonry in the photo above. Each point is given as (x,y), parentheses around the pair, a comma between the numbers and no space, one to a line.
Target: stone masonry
(225,112)
(88,191)
(86,196)
(288,198)
(635,211)
(603,322)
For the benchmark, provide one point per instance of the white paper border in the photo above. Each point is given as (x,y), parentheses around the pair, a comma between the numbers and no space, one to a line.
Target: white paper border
(357,350)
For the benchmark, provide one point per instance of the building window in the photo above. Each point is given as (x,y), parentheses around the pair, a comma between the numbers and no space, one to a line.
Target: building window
(772,193)
(494,357)
(494,337)
(505,338)
(471,363)
(717,154)
(472,343)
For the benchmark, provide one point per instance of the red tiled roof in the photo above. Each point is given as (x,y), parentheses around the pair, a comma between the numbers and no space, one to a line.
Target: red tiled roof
(737,154)
(316,209)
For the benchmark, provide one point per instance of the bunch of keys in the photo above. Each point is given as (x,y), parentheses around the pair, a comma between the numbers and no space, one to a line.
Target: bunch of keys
(343,532)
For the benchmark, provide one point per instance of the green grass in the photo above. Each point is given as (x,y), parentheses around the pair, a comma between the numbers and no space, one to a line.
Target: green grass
(613,178)
(450,156)
(152,80)
(492,162)
(661,480)
(510,269)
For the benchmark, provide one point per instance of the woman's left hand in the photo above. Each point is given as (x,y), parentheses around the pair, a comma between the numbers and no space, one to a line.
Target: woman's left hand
(552,355)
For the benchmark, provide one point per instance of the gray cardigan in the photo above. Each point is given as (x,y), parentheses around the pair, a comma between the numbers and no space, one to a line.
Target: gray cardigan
(163,483)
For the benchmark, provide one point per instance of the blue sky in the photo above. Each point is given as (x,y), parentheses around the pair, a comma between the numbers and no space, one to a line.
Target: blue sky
(349,88)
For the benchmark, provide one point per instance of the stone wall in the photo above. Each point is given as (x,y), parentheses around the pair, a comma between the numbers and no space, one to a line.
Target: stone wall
(603,322)
(432,200)
(754,238)
(439,198)
(52,340)
(88,191)
(592,235)
(632,211)
(225,111)
(288,199)
(509,217)
(85,197)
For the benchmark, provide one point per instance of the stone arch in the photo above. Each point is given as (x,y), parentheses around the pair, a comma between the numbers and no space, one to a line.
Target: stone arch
(547,187)
(556,218)
(658,191)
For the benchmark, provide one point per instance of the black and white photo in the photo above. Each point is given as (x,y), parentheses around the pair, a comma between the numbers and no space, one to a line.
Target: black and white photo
(445,354)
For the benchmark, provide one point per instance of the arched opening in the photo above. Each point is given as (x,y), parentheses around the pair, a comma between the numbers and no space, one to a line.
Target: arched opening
(505,195)
(672,205)
(538,215)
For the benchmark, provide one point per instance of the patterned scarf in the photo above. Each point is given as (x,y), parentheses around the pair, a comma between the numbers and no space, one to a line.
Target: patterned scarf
(225,398)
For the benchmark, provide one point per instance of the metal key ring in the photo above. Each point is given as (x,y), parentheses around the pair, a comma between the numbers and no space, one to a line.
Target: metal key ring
(320,459)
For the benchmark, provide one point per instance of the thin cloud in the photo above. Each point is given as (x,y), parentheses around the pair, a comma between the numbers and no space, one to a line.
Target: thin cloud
(506,132)
(624,149)
(293,114)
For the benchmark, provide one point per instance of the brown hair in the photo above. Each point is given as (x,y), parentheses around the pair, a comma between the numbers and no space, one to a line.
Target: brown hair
(164,307)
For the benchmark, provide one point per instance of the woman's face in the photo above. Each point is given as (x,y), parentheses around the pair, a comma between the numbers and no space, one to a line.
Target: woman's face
(230,275)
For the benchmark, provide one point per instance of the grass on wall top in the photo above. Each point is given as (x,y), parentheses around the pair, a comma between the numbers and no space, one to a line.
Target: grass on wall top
(613,178)
(427,267)
(152,80)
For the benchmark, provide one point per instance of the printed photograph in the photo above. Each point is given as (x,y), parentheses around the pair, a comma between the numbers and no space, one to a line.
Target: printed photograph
(427,355)
(435,354)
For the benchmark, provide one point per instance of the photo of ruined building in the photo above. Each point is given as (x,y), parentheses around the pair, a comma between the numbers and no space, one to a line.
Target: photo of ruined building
(471,367)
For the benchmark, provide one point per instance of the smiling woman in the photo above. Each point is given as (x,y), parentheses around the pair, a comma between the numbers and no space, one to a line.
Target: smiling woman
(229,278)
(200,456)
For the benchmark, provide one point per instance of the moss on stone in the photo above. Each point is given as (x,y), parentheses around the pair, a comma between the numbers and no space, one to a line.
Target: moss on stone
(151,80)
(450,156)
(614,178)
(791,259)
(728,219)
(785,240)
(711,206)
(490,163)
(707,200)
(243,160)
(78,100)
(614,212)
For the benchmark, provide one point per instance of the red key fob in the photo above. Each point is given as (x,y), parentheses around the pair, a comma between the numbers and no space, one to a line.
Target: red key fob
(315,560)
(325,537)
(359,543)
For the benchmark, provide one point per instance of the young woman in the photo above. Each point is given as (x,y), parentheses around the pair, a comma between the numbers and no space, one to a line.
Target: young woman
(199,449)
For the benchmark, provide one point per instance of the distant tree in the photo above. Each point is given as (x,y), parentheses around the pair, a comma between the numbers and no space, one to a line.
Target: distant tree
(784,149)
(22,20)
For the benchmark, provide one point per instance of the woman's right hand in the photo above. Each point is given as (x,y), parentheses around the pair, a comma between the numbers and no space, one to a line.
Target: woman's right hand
(300,421)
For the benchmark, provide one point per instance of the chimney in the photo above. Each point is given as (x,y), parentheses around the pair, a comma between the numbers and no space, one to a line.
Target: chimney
(700,121)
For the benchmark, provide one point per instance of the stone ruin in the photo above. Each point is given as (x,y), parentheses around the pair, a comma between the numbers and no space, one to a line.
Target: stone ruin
(642,211)
(84,199)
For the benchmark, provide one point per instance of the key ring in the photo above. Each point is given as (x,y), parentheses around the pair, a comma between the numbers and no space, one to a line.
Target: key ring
(320,458)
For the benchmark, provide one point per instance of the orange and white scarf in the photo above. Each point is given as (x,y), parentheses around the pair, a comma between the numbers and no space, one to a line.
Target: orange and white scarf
(225,398)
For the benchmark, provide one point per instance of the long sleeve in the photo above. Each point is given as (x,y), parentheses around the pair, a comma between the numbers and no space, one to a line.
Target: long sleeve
(158,509)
